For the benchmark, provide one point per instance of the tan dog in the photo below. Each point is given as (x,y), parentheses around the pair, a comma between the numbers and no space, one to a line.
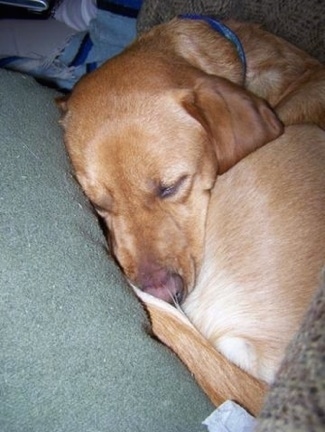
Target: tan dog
(149,132)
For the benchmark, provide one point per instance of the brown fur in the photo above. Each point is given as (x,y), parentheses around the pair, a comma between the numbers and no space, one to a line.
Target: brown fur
(149,132)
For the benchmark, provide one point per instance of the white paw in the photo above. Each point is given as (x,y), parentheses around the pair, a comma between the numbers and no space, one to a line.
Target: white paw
(240,351)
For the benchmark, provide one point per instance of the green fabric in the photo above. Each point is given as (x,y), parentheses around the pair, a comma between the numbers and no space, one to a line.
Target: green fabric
(74,352)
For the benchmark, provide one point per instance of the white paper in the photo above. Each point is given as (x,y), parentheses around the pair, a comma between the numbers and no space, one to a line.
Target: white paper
(230,417)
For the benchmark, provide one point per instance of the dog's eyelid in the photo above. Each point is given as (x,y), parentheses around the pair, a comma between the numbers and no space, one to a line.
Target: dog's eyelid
(167,190)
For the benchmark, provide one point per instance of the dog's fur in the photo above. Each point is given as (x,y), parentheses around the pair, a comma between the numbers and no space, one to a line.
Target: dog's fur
(149,132)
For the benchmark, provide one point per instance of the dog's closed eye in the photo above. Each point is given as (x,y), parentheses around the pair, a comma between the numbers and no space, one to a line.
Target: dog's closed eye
(165,190)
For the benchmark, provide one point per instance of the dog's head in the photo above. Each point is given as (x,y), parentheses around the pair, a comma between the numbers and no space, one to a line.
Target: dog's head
(148,157)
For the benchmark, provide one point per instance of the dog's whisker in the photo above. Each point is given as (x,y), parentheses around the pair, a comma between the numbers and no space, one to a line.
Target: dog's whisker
(176,302)
(173,297)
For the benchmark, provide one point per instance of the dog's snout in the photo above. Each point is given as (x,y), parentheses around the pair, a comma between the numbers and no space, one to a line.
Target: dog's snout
(162,283)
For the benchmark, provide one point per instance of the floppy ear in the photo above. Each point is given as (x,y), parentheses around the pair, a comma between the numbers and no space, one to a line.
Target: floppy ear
(236,121)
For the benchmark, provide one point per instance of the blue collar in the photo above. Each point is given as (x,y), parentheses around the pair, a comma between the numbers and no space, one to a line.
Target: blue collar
(224,31)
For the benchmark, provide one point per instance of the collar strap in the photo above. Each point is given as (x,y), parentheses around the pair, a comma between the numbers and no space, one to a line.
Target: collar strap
(224,31)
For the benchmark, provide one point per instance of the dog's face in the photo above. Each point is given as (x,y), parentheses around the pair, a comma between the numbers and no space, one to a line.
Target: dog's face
(148,161)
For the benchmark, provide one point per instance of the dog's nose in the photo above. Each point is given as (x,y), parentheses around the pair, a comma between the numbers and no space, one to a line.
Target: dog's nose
(163,284)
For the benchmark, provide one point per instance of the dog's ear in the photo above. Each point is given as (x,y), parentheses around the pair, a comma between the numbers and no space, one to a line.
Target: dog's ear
(237,122)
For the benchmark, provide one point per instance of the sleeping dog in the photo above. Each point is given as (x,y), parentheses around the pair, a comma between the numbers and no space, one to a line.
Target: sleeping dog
(168,141)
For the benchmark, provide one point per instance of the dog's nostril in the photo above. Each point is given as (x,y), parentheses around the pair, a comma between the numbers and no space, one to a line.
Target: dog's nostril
(178,288)
(179,297)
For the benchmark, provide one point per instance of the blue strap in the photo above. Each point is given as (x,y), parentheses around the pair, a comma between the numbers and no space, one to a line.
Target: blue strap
(224,31)
(83,51)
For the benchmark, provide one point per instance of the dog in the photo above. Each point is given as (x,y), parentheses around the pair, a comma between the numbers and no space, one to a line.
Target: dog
(204,155)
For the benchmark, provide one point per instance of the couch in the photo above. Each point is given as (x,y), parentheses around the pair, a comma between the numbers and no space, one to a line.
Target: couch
(75,353)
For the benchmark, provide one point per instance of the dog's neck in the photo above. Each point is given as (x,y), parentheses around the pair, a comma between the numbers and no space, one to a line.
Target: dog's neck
(190,50)
(223,30)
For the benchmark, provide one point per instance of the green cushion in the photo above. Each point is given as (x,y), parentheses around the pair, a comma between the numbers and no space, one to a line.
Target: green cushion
(74,353)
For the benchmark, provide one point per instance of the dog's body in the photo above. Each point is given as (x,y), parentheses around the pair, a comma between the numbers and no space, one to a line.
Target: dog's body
(149,132)
(266,267)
